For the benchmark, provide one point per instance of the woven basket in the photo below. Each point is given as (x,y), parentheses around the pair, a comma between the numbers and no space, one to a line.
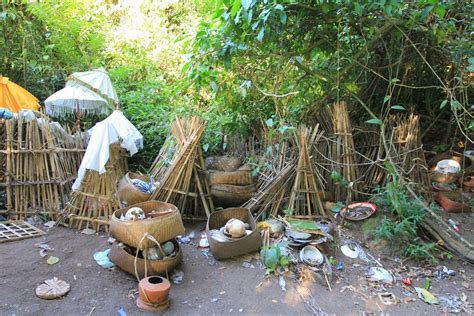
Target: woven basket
(163,228)
(223,250)
(231,195)
(129,193)
(238,177)
(126,262)
(223,163)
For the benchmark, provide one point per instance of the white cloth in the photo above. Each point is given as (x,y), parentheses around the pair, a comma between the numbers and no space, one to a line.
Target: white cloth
(114,128)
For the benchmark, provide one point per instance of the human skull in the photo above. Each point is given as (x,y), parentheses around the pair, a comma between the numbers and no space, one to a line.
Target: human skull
(134,213)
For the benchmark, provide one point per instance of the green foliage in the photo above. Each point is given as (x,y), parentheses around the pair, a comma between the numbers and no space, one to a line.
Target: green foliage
(401,225)
(273,258)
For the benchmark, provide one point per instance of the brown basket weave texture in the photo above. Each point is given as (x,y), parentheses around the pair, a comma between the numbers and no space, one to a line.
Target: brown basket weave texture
(223,163)
(128,193)
(163,228)
(231,195)
(239,177)
(126,262)
(223,250)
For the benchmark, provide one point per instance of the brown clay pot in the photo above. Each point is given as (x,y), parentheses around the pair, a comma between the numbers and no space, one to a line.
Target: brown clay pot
(154,289)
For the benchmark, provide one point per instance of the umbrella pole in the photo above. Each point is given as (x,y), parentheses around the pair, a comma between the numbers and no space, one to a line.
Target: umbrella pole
(77,124)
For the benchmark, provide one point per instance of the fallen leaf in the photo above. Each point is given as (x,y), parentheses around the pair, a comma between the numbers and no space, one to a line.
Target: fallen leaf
(426,296)
(52,260)
(465,284)
(88,231)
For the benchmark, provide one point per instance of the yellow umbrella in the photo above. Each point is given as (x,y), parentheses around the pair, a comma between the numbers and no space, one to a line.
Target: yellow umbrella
(16,98)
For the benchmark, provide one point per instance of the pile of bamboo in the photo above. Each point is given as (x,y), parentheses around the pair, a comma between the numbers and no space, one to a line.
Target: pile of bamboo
(290,179)
(341,155)
(403,141)
(38,163)
(180,171)
(92,205)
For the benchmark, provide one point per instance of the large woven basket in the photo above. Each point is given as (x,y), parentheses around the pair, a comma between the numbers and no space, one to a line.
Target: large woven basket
(223,250)
(238,177)
(163,228)
(128,193)
(223,163)
(126,262)
(227,195)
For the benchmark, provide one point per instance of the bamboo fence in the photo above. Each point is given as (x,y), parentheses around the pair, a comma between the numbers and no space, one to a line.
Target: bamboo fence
(38,163)
(94,202)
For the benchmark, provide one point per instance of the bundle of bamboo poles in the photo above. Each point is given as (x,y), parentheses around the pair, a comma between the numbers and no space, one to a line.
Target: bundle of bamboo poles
(179,169)
(403,141)
(92,205)
(410,156)
(290,179)
(304,197)
(37,166)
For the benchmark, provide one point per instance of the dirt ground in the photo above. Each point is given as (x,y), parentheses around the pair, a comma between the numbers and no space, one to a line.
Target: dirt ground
(208,288)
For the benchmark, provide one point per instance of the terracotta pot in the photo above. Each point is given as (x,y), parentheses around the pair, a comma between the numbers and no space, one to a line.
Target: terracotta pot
(154,289)
(449,205)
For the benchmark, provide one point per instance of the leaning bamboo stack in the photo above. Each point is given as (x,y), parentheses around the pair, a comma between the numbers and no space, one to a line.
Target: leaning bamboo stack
(92,205)
(403,141)
(343,152)
(39,160)
(180,170)
(410,156)
(290,179)
(305,193)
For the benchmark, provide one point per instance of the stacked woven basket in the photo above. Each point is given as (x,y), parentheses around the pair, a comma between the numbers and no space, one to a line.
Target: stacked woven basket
(231,182)
(136,240)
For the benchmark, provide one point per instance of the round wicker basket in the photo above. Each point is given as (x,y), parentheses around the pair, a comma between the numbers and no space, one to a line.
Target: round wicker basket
(126,262)
(128,193)
(162,228)
(238,177)
(223,163)
(231,195)
(237,247)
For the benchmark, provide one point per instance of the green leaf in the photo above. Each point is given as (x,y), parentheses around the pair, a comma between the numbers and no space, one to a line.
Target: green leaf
(470,60)
(269,122)
(205,147)
(279,7)
(440,10)
(455,105)
(426,285)
(283,17)
(260,34)
(235,8)
(398,107)
(386,99)
(470,68)
(426,11)
(358,8)
(374,121)
(246,4)
(443,104)
(426,296)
